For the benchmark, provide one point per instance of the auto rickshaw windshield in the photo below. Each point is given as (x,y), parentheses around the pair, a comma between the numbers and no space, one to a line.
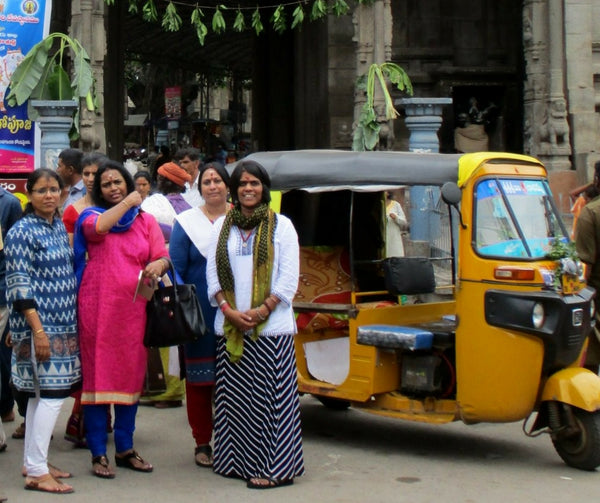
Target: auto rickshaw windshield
(515,218)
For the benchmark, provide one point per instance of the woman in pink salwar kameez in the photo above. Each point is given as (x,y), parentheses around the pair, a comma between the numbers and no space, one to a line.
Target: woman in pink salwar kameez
(120,241)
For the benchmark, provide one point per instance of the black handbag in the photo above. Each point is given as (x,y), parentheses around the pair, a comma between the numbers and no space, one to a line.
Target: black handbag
(173,316)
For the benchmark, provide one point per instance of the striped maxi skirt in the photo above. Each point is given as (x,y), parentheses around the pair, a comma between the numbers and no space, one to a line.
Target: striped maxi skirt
(257,429)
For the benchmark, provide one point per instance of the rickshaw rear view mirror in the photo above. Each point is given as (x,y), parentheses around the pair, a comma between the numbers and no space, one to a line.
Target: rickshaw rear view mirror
(451,193)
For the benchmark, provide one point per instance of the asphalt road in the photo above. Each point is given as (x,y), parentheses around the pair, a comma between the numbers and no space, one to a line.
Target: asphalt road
(350,456)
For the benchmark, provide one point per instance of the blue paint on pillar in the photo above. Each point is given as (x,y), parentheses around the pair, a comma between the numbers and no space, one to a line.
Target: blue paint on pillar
(423,119)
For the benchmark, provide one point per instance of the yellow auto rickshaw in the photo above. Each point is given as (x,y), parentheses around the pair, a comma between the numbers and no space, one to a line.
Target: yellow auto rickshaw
(486,319)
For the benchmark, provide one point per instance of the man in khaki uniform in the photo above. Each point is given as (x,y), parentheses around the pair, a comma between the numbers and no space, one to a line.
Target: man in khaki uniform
(587,241)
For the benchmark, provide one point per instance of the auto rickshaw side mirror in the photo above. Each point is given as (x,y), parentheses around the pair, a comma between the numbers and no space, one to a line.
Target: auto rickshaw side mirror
(452,195)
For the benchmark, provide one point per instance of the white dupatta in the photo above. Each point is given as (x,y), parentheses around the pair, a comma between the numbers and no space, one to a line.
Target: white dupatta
(198,227)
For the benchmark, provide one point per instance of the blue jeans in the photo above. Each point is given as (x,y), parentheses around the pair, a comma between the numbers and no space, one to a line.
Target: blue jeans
(96,417)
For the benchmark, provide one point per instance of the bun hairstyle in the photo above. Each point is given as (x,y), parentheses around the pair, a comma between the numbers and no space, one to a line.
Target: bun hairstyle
(255,169)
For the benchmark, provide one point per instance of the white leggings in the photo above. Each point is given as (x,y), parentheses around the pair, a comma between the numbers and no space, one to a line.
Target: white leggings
(40,420)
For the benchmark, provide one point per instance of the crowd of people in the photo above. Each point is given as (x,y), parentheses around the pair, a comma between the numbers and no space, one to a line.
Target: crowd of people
(73,259)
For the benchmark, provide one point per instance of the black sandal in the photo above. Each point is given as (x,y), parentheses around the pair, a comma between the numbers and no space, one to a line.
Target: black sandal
(206,450)
(126,461)
(269,483)
(103,462)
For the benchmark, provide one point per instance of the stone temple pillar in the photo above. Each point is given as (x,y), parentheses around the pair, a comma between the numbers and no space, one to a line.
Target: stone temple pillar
(373,38)
(87,25)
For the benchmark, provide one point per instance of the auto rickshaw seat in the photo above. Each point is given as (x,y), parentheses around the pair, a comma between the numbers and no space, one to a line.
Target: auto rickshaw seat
(395,337)
(409,275)
(443,329)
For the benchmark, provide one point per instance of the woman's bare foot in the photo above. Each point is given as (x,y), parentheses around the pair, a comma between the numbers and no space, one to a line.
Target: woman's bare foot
(47,484)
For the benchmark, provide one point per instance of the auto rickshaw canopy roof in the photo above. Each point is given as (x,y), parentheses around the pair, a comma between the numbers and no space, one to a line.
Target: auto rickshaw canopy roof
(372,170)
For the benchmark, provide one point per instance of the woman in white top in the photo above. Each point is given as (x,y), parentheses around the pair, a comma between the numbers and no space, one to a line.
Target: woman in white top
(252,273)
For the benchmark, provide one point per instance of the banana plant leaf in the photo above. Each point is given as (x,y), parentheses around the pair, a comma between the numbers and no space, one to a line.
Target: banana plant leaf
(28,76)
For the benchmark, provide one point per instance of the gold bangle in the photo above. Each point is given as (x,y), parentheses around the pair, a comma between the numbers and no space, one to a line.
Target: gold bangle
(39,330)
(260,315)
(125,203)
(29,311)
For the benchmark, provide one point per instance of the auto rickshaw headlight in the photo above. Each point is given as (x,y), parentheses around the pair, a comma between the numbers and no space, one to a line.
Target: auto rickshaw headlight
(592,309)
(538,315)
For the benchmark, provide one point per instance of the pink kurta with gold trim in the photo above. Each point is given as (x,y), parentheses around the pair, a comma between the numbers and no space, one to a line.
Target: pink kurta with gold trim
(111,325)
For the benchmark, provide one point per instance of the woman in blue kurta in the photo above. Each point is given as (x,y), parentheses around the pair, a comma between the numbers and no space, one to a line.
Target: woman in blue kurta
(189,245)
(41,292)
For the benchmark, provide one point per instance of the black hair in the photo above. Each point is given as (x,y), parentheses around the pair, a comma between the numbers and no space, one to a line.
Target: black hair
(92,158)
(33,178)
(191,152)
(219,168)
(72,157)
(168,186)
(143,174)
(254,169)
(97,190)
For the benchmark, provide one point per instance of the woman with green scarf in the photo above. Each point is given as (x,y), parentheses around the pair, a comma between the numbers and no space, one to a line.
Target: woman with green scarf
(252,273)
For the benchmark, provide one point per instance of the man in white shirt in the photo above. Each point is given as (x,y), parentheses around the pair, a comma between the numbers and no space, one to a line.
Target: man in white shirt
(189,160)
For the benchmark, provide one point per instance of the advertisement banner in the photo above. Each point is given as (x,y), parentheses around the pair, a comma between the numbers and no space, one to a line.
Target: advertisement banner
(23,23)
(173,102)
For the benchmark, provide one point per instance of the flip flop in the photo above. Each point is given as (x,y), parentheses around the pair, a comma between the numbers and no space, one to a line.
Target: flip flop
(127,461)
(270,483)
(107,471)
(37,484)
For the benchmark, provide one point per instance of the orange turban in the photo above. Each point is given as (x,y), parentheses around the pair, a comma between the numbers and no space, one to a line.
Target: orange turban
(174,173)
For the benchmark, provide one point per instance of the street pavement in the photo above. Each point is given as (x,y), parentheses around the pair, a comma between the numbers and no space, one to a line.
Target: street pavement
(350,456)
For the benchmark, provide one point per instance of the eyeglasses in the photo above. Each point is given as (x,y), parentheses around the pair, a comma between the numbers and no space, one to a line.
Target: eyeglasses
(45,190)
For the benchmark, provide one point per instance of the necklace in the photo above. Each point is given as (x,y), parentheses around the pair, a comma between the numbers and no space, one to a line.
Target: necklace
(245,236)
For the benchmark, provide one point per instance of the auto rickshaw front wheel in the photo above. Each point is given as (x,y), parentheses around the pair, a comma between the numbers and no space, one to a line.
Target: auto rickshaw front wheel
(578,443)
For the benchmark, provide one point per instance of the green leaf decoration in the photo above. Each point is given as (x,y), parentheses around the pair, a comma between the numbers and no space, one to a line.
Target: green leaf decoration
(397,76)
(366,133)
(218,21)
(29,73)
(298,16)
(278,20)
(149,12)
(83,77)
(133,7)
(171,20)
(198,24)
(319,10)
(340,8)
(41,75)
(59,85)
(239,24)
(256,22)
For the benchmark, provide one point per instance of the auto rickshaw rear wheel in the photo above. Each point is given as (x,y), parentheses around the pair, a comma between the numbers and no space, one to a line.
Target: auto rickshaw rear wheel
(579,444)
(333,403)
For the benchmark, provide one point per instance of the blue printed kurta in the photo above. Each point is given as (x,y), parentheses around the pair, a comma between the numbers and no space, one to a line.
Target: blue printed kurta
(39,268)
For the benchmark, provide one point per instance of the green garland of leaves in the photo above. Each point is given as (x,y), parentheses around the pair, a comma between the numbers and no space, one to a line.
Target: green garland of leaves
(171,19)
(560,250)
